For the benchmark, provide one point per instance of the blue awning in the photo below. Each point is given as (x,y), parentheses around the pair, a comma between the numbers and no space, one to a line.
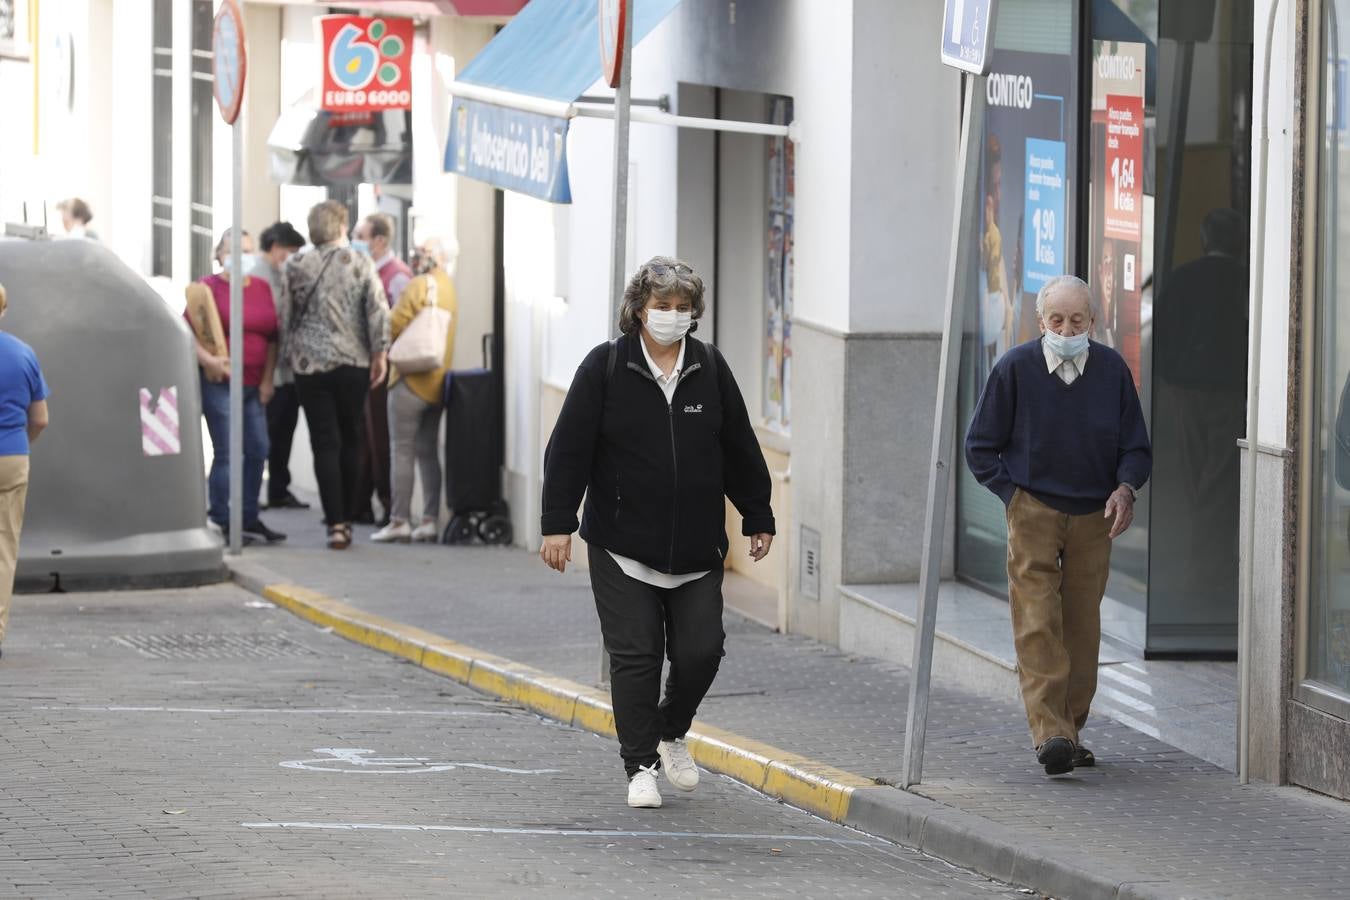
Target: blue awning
(513,102)
(552,48)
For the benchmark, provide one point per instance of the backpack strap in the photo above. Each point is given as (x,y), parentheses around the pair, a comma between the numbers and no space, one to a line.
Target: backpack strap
(712,361)
(613,355)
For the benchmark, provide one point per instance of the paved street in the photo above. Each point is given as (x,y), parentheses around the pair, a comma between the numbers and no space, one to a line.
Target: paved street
(1148,809)
(204,744)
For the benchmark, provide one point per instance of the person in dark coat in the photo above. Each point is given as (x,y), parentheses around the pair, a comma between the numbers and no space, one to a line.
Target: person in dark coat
(655,433)
(1060,438)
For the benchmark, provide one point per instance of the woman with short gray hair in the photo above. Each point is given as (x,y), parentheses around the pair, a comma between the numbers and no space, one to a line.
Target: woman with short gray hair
(655,433)
(336,341)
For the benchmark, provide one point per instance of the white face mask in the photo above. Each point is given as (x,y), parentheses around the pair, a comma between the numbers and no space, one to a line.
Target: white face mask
(1066,347)
(666,326)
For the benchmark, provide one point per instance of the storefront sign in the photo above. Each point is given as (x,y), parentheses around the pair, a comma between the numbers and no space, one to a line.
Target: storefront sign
(1043,222)
(367,63)
(966,27)
(508,148)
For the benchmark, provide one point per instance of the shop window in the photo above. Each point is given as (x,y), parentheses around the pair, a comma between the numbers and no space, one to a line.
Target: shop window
(777,387)
(202,130)
(1328,612)
(161,148)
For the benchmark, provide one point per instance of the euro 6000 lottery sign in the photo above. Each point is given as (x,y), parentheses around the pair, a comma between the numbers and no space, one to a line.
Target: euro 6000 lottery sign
(367,63)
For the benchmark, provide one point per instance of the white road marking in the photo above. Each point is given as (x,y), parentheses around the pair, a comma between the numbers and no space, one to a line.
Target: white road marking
(561,832)
(352,759)
(263,710)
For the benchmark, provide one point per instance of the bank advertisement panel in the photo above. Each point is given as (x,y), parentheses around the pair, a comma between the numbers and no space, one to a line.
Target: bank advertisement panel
(1025,195)
(1119,255)
(510,149)
(367,63)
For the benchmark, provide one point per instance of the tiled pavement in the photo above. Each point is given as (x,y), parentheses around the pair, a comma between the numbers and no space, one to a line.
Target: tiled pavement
(1147,808)
(143,742)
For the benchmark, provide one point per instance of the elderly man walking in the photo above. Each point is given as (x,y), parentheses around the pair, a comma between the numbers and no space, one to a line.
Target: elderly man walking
(1059,436)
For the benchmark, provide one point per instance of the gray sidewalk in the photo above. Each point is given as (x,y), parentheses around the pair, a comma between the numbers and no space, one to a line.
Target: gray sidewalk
(1148,809)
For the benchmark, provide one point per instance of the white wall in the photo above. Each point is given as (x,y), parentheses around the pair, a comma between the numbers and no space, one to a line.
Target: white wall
(904,144)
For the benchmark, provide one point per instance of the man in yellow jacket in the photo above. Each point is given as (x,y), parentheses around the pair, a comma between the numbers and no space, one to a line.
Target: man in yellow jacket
(415,404)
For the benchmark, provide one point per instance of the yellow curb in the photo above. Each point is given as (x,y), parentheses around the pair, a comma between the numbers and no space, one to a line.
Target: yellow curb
(803,782)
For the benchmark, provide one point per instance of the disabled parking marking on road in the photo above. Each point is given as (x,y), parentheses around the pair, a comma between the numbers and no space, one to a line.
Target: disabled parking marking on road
(564,832)
(352,759)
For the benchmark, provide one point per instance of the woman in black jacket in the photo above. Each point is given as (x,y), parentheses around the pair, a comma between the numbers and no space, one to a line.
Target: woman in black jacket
(655,433)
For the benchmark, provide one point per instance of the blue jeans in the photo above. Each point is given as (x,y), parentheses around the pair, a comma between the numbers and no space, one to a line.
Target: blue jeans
(216,408)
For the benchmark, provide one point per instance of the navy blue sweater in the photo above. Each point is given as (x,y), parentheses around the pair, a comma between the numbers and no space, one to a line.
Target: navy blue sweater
(1069,445)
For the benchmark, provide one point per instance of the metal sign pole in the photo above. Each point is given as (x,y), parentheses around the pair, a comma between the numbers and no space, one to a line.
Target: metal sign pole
(237,347)
(618,260)
(939,475)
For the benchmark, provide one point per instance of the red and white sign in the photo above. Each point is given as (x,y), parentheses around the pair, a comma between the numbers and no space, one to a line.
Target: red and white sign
(229,60)
(613,26)
(1122,186)
(159,423)
(367,63)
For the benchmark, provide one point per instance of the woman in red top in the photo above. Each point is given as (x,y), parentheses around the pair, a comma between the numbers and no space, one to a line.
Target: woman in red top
(260,356)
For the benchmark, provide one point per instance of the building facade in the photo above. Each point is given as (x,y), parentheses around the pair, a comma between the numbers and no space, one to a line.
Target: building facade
(1117,139)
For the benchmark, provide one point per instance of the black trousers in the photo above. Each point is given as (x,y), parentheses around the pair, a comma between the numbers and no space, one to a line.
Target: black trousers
(334,404)
(282,415)
(372,466)
(642,625)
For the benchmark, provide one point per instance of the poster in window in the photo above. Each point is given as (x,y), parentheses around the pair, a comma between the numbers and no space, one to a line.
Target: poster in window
(1026,217)
(14,35)
(1116,246)
(777,366)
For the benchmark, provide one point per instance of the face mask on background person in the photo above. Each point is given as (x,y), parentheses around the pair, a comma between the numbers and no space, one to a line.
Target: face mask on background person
(666,326)
(250,263)
(360,246)
(1066,347)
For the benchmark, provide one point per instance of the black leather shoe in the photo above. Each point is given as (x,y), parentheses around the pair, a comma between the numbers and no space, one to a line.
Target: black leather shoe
(1083,758)
(1056,755)
(258,531)
(289,501)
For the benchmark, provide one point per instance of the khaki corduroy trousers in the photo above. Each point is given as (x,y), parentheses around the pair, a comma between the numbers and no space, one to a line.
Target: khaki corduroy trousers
(13,494)
(1057,570)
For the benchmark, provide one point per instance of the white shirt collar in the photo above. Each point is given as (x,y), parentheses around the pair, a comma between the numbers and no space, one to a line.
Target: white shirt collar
(1053,362)
(388,255)
(656,369)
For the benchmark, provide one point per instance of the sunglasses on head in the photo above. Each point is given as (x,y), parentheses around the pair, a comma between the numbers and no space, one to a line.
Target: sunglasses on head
(678,269)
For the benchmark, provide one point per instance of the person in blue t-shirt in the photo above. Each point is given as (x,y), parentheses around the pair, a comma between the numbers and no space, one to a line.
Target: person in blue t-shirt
(23,416)
(1059,436)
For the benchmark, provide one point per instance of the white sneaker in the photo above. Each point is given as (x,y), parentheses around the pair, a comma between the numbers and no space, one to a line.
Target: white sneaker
(642,791)
(679,765)
(426,533)
(393,533)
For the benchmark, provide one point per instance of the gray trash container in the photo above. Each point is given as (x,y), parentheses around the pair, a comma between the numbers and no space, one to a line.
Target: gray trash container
(116,495)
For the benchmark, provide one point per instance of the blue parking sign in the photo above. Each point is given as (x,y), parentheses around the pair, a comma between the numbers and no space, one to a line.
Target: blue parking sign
(1043,229)
(967,27)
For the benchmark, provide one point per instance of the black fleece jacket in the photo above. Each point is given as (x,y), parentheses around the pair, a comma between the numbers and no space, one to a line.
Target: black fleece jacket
(654,474)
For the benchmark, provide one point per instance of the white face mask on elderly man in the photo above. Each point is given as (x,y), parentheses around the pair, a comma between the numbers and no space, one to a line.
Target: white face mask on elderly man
(667,326)
(1066,347)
